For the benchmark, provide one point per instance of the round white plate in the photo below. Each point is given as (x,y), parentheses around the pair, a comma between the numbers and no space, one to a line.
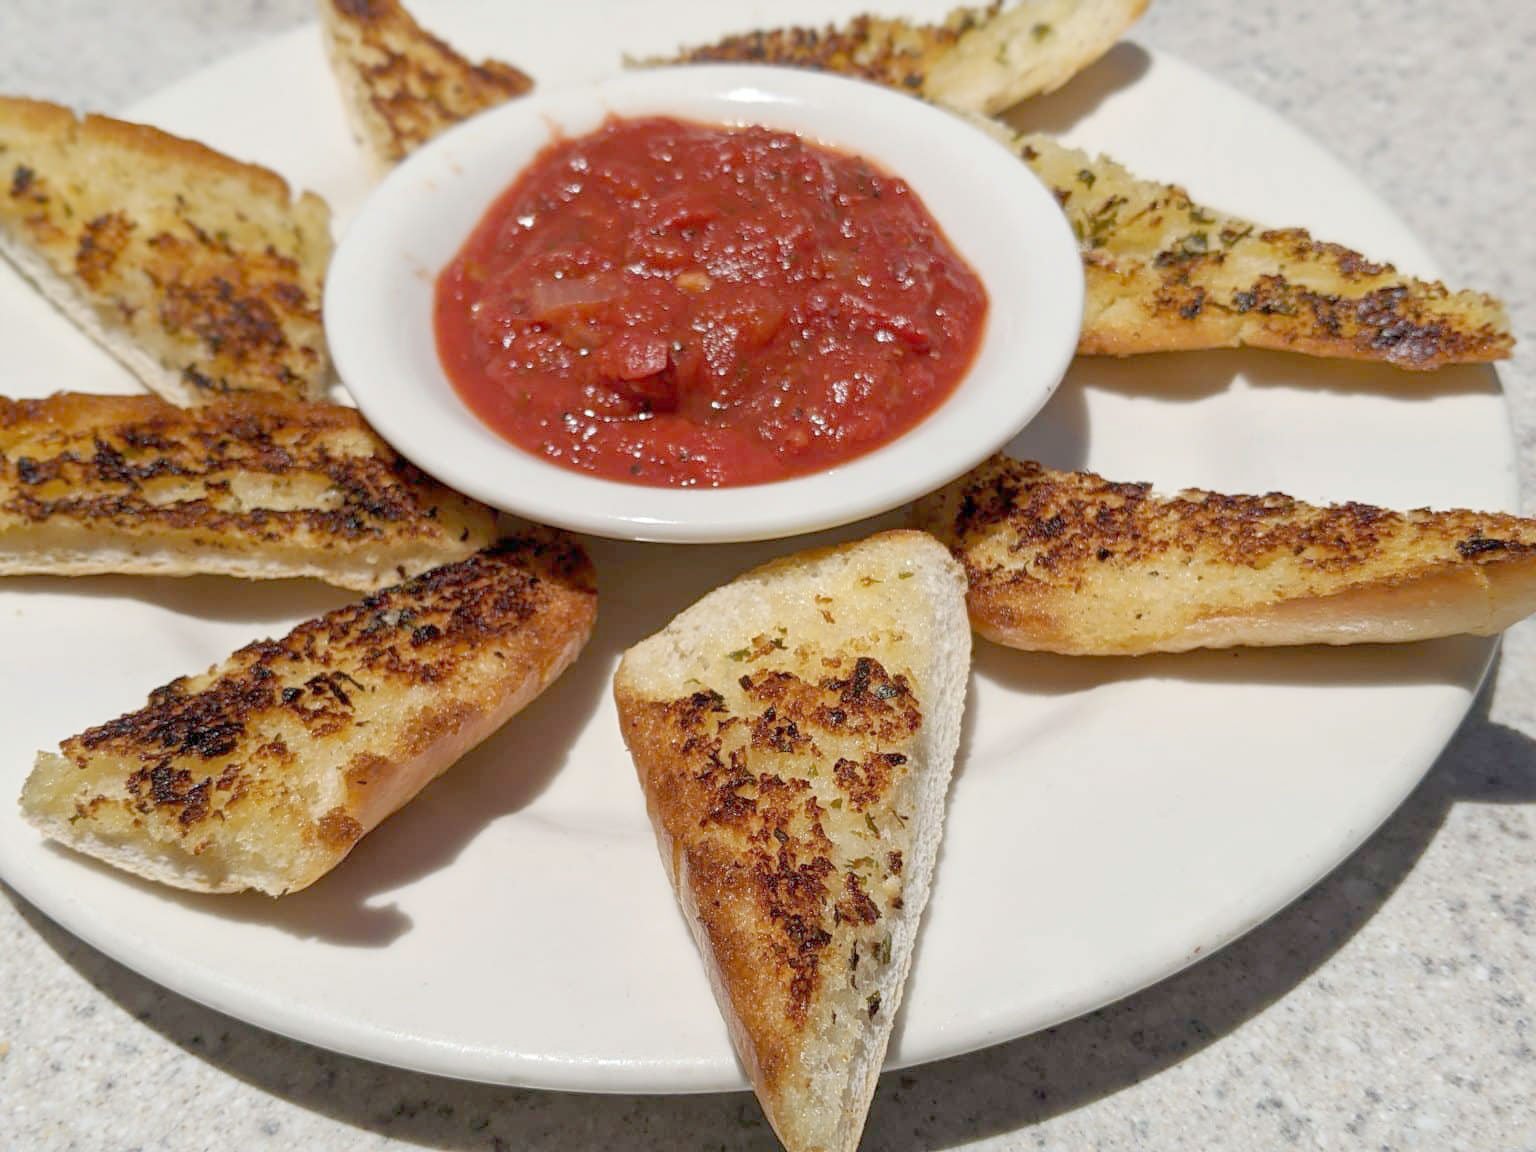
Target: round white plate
(1111,820)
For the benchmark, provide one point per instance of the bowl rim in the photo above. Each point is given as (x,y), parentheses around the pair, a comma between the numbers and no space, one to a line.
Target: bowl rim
(996,213)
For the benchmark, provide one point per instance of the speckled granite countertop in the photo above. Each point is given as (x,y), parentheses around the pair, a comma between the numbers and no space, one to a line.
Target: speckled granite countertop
(1390,1008)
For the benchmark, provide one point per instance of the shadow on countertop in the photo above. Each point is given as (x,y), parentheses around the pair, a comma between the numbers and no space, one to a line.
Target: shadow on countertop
(1007,1087)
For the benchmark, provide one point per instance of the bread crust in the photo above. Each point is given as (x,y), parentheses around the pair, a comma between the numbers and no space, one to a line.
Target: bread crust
(201,273)
(796,787)
(265,771)
(402,85)
(978,59)
(253,486)
(1072,563)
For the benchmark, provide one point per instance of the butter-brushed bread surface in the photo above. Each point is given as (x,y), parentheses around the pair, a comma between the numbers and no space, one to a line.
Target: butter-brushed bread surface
(1073,563)
(202,274)
(265,771)
(251,486)
(794,733)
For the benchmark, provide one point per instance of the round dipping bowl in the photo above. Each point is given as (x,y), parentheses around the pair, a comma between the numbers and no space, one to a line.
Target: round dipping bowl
(1000,219)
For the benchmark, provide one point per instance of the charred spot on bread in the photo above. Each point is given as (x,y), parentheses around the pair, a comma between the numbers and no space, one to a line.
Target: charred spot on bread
(868,701)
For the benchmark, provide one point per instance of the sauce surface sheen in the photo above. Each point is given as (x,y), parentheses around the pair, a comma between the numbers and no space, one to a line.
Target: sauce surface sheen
(687,305)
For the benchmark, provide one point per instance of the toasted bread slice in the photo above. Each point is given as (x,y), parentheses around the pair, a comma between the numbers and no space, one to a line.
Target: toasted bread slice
(253,486)
(794,733)
(265,771)
(402,85)
(979,60)
(1070,562)
(201,274)
(1165,274)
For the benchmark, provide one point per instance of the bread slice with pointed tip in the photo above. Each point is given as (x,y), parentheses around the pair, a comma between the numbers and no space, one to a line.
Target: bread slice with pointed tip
(982,59)
(265,772)
(794,733)
(1070,562)
(201,273)
(1165,273)
(402,85)
(251,486)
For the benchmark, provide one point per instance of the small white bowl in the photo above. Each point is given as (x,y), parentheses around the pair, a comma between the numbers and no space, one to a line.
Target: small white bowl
(997,215)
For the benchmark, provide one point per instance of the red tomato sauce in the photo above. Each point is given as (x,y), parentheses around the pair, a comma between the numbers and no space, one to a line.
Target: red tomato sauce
(679,304)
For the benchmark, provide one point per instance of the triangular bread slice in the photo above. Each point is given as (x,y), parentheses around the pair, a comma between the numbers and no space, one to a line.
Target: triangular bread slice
(251,486)
(794,732)
(981,59)
(1165,273)
(200,273)
(264,772)
(1070,562)
(402,85)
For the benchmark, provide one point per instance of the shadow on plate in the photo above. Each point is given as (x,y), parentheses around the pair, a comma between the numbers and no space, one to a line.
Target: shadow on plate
(642,586)
(937,1106)
(1059,436)
(1117,69)
(267,605)
(1455,660)
(1188,376)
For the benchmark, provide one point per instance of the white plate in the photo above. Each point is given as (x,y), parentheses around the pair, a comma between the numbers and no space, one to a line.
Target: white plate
(1111,820)
(1001,219)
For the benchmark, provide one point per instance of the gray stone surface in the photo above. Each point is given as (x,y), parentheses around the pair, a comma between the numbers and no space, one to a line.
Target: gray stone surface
(1390,1008)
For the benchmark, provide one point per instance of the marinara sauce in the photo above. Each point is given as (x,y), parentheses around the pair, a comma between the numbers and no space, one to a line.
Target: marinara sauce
(680,304)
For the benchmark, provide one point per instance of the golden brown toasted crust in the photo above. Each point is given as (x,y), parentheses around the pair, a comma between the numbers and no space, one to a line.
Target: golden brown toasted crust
(203,274)
(402,85)
(267,769)
(250,485)
(794,733)
(978,59)
(1030,48)
(1165,274)
(748,827)
(1070,562)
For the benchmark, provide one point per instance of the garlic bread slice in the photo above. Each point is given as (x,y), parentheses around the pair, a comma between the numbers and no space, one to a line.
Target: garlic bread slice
(794,733)
(402,85)
(265,771)
(1072,563)
(1164,273)
(201,273)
